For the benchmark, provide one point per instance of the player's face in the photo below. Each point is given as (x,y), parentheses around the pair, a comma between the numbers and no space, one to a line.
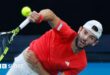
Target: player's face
(85,38)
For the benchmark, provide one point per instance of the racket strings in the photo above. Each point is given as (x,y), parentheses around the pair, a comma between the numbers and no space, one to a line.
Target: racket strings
(6,39)
(4,45)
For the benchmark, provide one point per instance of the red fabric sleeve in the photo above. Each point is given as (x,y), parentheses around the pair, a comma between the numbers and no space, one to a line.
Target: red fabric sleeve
(63,29)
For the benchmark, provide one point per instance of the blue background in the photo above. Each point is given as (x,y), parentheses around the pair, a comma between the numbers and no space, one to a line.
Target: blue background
(91,69)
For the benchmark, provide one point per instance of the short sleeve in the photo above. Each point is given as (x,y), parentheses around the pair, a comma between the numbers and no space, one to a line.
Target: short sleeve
(63,29)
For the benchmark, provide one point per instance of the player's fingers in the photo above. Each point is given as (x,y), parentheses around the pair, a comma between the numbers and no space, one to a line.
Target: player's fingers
(34,16)
(30,57)
(28,54)
(31,17)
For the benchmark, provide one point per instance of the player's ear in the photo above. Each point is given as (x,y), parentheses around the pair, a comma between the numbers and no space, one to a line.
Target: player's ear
(80,29)
(95,43)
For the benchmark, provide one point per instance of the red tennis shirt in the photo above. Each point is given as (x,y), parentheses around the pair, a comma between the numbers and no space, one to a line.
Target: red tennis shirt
(54,51)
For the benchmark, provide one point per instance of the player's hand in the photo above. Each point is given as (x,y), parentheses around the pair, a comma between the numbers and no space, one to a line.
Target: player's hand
(30,57)
(34,62)
(34,16)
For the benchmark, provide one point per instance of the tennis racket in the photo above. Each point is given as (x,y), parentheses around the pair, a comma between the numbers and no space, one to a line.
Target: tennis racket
(6,41)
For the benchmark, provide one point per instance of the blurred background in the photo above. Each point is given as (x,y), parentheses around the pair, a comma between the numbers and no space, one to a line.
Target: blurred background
(74,12)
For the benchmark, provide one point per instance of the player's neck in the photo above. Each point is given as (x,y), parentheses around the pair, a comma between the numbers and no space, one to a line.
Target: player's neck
(74,47)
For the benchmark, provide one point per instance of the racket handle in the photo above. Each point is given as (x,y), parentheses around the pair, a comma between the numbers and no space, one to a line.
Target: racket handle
(24,23)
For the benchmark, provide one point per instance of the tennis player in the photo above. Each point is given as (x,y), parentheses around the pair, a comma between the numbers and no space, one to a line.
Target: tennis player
(61,49)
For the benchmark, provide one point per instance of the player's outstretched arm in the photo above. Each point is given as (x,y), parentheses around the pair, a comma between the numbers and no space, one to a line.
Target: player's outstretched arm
(45,15)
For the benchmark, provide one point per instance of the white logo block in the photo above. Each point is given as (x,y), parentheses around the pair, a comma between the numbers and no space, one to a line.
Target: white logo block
(0,66)
(4,66)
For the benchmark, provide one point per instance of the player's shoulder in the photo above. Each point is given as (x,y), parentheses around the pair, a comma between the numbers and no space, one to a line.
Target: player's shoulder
(65,25)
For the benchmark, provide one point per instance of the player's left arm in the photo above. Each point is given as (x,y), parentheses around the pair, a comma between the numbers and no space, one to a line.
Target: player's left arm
(58,25)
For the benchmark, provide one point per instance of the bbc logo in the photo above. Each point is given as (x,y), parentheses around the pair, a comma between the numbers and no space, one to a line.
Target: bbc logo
(8,66)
